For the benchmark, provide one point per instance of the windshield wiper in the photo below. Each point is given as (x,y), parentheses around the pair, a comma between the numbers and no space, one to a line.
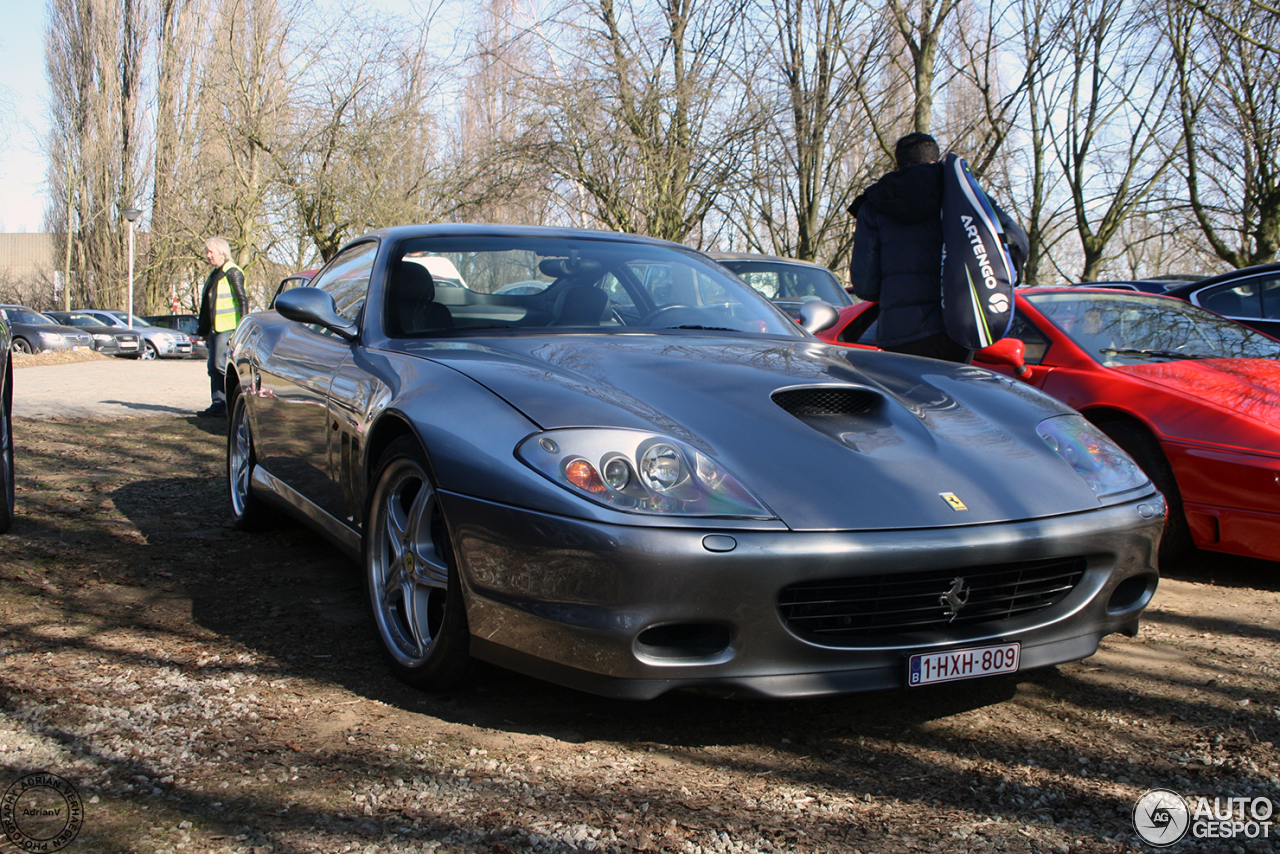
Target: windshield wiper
(1153,354)
(710,328)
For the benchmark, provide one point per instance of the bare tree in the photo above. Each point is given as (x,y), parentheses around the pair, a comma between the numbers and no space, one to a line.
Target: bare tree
(178,61)
(642,114)
(93,56)
(1229,106)
(1111,141)
(362,150)
(922,23)
(810,156)
(245,107)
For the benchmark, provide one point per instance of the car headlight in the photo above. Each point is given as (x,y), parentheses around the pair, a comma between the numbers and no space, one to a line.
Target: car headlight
(165,338)
(102,337)
(639,472)
(1092,455)
(51,337)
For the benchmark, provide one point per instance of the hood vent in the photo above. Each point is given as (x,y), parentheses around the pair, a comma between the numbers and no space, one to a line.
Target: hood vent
(806,403)
(846,414)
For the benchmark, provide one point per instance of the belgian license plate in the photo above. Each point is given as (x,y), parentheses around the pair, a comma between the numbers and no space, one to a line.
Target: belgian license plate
(928,668)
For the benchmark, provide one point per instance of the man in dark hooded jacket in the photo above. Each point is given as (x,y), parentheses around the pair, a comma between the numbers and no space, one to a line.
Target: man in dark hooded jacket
(897,252)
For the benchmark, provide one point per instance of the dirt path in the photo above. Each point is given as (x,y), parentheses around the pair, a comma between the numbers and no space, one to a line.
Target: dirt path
(209,690)
(87,386)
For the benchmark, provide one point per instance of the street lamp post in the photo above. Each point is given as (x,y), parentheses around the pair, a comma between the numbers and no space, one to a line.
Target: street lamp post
(130,214)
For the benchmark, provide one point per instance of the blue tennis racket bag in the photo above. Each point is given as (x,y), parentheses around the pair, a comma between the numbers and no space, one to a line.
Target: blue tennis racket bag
(977,271)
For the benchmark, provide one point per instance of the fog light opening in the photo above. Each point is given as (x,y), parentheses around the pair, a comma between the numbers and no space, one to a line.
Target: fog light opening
(678,641)
(1131,594)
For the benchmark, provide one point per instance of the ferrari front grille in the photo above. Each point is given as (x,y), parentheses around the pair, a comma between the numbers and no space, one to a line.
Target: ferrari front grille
(908,602)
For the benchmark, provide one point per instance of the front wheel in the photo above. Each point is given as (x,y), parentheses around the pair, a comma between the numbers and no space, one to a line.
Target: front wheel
(411,576)
(149,351)
(21,345)
(248,511)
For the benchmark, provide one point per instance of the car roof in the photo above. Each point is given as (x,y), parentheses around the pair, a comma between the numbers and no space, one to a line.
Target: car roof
(752,256)
(465,229)
(1190,287)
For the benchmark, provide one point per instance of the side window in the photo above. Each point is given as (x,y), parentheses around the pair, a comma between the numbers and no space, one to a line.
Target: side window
(1236,299)
(347,279)
(764,282)
(713,292)
(618,295)
(862,329)
(1035,341)
(1271,298)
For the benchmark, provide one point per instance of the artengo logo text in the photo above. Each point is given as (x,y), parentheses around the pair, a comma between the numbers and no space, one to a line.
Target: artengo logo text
(979,252)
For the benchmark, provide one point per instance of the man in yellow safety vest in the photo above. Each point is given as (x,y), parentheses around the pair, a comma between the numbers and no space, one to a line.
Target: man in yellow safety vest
(222,304)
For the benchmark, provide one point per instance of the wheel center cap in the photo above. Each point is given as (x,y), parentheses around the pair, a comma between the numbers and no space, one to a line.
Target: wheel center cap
(408,562)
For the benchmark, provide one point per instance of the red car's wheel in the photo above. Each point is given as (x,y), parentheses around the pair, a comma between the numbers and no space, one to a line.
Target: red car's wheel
(1138,443)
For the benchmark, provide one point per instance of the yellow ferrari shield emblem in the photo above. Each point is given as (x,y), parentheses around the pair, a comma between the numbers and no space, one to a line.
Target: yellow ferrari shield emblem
(954,500)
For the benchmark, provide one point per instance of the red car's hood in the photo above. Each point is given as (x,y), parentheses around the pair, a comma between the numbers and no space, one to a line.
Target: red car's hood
(1247,387)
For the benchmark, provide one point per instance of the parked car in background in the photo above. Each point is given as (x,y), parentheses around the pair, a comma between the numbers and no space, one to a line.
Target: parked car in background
(33,332)
(7,497)
(185,323)
(1192,396)
(1250,295)
(645,477)
(786,282)
(107,339)
(157,343)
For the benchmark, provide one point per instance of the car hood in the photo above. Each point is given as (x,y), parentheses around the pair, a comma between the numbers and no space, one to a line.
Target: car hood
(1247,387)
(929,429)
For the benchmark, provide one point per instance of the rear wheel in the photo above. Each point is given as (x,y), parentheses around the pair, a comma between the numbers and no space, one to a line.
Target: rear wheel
(411,577)
(1138,443)
(248,511)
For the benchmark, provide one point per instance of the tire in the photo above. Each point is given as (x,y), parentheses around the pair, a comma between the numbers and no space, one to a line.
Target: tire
(149,352)
(248,511)
(8,502)
(21,345)
(411,577)
(1138,443)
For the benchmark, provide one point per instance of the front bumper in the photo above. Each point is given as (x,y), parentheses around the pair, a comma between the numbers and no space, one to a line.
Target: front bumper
(171,349)
(634,612)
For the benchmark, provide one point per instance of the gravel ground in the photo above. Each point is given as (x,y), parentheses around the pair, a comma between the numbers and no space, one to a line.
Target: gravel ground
(85,385)
(208,690)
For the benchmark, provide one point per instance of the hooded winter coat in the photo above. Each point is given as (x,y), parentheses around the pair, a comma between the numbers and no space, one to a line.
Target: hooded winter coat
(897,252)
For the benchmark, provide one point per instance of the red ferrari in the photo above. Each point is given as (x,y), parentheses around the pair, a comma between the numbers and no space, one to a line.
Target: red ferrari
(1192,396)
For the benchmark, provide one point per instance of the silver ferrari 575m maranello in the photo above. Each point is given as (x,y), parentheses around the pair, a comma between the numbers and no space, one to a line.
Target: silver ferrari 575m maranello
(642,476)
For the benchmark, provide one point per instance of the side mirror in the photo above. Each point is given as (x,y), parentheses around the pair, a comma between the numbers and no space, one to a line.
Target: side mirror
(1010,352)
(817,315)
(312,305)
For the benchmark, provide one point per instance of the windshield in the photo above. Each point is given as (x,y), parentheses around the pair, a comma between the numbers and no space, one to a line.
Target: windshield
(1128,329)
(778,280)
(501,282)
(21,315)
(79,320)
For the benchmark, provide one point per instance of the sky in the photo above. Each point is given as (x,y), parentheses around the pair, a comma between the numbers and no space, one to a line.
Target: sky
(23,116)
